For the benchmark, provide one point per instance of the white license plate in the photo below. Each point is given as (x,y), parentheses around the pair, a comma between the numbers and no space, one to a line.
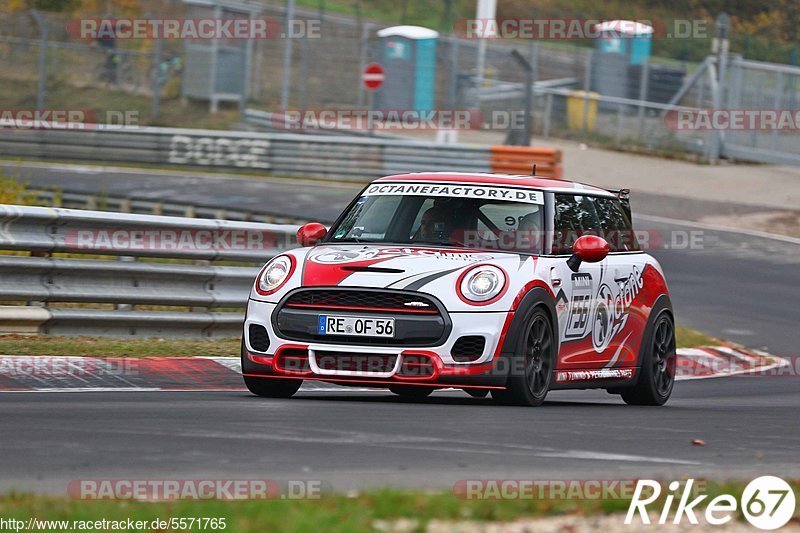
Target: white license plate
(355,325)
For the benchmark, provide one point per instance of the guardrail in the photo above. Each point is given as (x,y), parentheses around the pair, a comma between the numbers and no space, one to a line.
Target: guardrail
(507,90)
(142,206)
(123,270)
(285,154)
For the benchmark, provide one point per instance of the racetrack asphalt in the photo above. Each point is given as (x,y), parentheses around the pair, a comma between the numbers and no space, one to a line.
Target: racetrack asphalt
(370,439)
(736,286)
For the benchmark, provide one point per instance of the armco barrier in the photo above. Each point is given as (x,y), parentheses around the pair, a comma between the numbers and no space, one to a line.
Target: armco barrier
(285,154)
(143,206)
(212,295)
(49,230)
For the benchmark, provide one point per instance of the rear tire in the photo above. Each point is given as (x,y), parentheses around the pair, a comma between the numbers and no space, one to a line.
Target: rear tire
(657,373)
(272,387)
(410,392)
(533,364)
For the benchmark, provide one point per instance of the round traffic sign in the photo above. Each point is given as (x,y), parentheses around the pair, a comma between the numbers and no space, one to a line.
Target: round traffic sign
(373,76)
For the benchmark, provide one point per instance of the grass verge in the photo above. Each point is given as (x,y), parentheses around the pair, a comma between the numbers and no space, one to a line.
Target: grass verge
(368,511)
(691,338)
(111,347)
(21,94)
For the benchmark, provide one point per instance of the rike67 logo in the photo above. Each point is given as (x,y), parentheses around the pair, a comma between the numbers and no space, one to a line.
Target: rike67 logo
(767,502)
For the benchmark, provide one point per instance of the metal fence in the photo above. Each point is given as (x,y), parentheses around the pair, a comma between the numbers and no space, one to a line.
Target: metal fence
(613,121)
(754,85)
(98,273)
(585,101)
(324,68)
(323,72)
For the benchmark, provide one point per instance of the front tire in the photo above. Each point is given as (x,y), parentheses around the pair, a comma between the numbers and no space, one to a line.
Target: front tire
(272,387)
(657,374)
(267,387)
(536,355)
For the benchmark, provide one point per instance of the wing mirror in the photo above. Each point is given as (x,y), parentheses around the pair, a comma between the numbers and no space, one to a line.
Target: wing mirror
(589,248)
(311,233)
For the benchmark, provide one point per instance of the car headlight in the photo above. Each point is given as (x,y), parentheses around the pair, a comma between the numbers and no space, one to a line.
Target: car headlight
(482,283)
(274,274)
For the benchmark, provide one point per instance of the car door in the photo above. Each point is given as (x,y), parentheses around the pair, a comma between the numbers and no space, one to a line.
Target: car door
(574,215)
(617,318)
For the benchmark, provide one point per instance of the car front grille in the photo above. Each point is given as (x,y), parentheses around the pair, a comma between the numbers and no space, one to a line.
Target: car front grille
(419,320)
(362,300)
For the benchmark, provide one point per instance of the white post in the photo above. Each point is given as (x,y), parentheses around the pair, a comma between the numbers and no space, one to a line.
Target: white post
(287,56)
(486,10)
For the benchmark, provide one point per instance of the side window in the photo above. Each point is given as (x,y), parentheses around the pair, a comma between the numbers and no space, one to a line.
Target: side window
(617,227)
(574,216)
(520,226)
(508,216)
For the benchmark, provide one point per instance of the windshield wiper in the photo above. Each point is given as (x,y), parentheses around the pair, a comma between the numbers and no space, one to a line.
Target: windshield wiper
(350,239)
(432,242)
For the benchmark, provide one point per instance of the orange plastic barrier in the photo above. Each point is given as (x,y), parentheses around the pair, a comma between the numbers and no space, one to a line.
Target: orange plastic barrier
(520,160)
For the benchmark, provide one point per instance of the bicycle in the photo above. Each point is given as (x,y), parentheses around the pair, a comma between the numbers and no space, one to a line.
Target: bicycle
(117,70)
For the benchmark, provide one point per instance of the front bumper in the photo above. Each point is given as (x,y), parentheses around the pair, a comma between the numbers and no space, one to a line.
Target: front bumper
(435,365)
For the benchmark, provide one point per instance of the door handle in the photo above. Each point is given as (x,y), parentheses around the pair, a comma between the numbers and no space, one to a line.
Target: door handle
(555,280)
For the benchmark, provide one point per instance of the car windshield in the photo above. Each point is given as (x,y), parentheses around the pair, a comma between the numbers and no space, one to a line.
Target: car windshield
(465,216)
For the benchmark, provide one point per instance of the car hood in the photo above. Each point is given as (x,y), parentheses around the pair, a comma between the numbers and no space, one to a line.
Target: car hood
(396,267)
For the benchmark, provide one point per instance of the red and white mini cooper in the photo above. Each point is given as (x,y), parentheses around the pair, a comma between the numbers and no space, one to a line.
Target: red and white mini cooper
(513,285)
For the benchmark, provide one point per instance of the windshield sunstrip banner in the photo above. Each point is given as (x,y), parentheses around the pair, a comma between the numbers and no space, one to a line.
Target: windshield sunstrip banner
(487,192)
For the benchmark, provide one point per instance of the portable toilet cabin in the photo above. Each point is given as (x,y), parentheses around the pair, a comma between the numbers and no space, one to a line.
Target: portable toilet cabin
(408,56)
(218,70)
(619,44)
